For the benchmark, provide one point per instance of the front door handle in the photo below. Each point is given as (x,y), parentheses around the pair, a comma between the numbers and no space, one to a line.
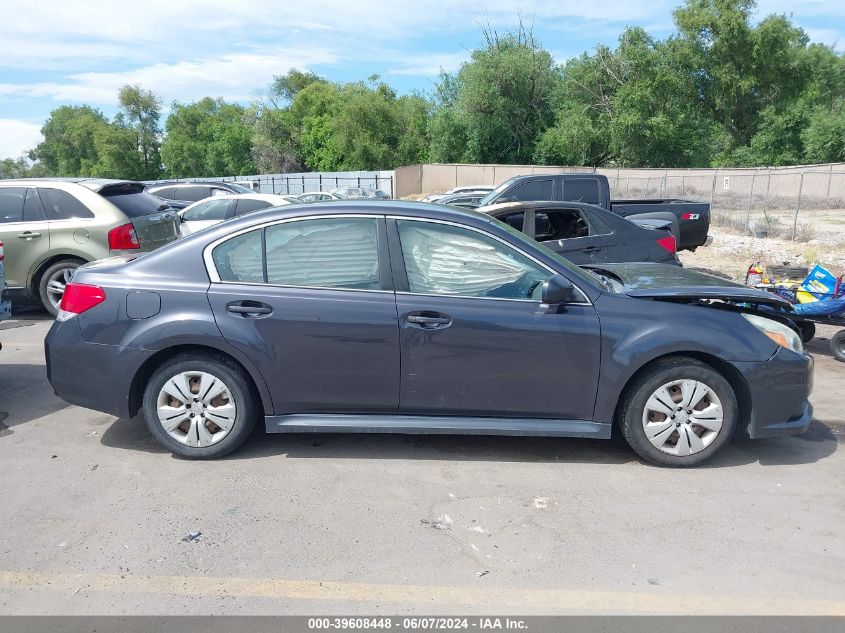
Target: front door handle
(28,235)
(249,308)
(591,249)
(429,320)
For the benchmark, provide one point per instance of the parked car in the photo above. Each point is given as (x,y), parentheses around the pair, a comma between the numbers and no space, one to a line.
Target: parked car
(464,200)
(415,318)
(200,215)
(5,306)
(377,194)
(349,193)
(52,226)
(181,194)
(481,190)
(587,234)
(693,218)
(317,196)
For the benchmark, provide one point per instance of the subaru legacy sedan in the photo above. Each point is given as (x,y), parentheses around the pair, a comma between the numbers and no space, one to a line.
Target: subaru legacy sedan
(403,317)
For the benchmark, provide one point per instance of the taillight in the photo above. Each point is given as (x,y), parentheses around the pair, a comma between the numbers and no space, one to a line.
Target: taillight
(668,243)
(2,252)
(123,238)
(78,298)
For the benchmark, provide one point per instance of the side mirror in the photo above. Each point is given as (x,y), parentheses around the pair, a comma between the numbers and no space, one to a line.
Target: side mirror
(557,289)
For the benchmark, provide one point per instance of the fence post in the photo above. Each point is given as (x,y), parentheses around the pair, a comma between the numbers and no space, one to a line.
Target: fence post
(359,182)
(768,187)
(303,183)
(287,185)
(829,177)
(797,207)
(321,182)
(390,180)
(713,189)
(750,196)
(273,183)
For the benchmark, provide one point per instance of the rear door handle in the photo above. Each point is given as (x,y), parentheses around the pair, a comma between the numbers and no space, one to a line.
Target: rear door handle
(591,249)
(249,308)
(429,320)
(28,235)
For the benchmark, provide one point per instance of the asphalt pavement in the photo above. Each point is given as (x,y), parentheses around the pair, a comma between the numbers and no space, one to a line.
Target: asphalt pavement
(93,515)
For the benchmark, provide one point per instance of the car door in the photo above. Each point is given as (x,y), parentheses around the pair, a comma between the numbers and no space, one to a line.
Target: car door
(475,340)
(204,214)
(24,232)
(567,232)
(310,302)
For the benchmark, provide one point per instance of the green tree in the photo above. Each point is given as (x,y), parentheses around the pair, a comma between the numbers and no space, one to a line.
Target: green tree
(207,138)
(824,136)
(69,147)
(502,100)
(20,168)
(139,117)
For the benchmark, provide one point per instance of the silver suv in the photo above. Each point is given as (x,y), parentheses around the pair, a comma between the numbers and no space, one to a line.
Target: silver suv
(50,227)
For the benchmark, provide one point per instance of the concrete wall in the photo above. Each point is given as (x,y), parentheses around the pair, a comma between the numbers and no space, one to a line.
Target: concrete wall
(730,188)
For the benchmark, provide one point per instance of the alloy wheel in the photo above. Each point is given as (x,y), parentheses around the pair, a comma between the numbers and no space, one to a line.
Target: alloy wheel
(196,408)
(56,285)
(682,417)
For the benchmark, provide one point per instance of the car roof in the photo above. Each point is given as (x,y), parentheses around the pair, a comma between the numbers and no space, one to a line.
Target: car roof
(500,208)
(95,184)
(273,198)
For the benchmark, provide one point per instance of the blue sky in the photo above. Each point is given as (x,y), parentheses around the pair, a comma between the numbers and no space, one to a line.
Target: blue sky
(56,52)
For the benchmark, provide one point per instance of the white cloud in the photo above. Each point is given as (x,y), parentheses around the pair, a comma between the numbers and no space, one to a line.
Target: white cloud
(232,77)
(426,65)
(16,137)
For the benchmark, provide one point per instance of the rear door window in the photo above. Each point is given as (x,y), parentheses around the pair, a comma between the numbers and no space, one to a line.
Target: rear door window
(581,190)
(530,191)
(166,193)
(11,204)
(248,206)
(559,224)
(60,205)
(208,211)
(193,193)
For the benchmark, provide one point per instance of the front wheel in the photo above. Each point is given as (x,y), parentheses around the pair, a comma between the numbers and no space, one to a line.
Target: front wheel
(200,406)
(678,413)
(837,345)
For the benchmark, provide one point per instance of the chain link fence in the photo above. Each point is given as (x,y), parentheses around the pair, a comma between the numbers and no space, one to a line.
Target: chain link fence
(295,184)
(798,205)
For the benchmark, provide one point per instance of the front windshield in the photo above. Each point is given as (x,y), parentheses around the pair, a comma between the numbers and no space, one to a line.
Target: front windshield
(488,199)
(581,273)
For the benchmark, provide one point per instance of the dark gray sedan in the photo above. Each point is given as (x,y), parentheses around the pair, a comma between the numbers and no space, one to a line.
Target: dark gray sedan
(587,234)
(416,318)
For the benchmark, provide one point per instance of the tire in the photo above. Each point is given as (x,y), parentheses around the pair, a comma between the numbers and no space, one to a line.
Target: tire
(806,330)
(701,440)
(837,345)
(56,275)
(197,434)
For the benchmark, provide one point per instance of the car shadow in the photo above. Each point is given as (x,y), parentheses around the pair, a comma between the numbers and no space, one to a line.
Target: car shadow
(25,394)
(820,441)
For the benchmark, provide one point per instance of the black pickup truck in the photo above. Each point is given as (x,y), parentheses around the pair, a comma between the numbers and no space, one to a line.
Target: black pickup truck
(693,218)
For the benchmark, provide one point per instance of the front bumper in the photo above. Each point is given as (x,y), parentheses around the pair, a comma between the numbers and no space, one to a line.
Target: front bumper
(91,375)
(779,389)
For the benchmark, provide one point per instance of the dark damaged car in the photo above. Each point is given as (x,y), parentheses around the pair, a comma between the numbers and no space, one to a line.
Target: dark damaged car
(356,316)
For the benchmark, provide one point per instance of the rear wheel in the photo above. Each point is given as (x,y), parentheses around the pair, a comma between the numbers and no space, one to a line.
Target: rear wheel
(51,287)
(678,413)
(200,406)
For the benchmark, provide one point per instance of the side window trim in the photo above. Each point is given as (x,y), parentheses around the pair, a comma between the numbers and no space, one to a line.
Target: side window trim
(384,262)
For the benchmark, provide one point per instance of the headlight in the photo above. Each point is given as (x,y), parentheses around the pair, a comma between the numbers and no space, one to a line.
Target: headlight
(781,334)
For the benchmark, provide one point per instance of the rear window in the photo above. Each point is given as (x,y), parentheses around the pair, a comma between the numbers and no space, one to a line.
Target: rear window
(192,193)
(248,206)
(238,188)
(135,204)
(581,190)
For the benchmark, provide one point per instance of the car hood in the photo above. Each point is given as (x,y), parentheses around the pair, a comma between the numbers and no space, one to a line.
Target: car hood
(661,281)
